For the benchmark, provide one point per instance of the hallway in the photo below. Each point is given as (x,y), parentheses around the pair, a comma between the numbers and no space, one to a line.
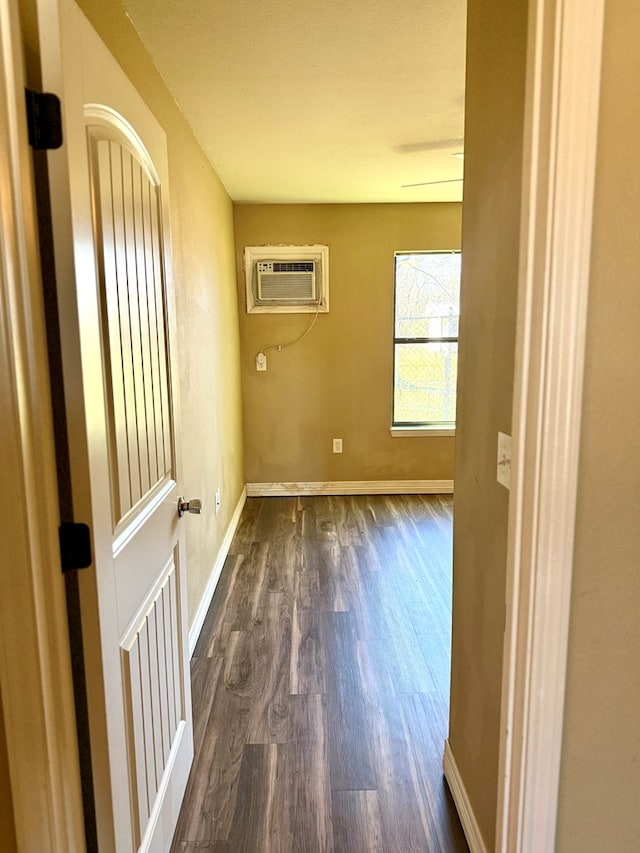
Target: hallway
(320,682)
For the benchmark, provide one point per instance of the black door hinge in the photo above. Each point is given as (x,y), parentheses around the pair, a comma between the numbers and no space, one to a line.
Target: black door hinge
(44,120)
(75,546)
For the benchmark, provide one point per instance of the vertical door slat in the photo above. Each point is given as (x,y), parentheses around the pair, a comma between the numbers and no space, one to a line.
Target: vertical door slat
(133,671)
(148,197)
(147,717)
(168,640)
(162,678)
(163,355)
(128,172)
(139,180)
(155,695)
(121,481)
(124,319)
(175,649)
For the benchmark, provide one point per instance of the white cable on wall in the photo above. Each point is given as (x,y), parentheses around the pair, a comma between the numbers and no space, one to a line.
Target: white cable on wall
(280,347)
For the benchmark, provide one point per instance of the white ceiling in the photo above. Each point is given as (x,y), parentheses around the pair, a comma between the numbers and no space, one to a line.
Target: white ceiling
(317,100)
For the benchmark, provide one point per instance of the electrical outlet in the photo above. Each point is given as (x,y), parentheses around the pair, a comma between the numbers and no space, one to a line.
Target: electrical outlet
(337,445)
(504,460)
(218,499)
(261,361)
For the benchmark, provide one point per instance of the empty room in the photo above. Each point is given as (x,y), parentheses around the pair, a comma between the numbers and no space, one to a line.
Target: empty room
(308,338)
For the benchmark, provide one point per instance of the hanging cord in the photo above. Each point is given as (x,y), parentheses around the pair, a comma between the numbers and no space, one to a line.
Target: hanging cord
(297,340)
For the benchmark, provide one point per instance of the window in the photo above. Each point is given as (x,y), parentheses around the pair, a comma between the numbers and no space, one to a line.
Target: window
(425,344)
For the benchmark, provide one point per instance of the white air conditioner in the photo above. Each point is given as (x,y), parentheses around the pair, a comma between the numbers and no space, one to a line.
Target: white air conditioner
(288,282)
(287,279)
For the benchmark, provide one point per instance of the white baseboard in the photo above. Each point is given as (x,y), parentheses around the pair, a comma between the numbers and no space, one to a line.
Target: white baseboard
(353,487)
(198,619)
(461,799)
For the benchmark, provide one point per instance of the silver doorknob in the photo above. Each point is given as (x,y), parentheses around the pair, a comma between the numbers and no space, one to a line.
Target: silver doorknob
(194,506)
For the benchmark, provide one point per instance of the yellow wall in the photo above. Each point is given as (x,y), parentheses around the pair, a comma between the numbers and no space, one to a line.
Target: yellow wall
(600,776)
(205,291)
(496,53)
(337,382)
(7,829)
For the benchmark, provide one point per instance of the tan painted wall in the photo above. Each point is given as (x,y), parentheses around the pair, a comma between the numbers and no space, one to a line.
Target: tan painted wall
(600,777)
(337,382)
(204,280)
(490,235)
(8,842)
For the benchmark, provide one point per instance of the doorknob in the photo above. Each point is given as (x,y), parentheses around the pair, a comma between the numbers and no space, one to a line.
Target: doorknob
(194,506)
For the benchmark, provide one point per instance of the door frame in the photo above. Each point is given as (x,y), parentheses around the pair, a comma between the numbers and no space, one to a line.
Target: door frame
(560,146)
(35,671)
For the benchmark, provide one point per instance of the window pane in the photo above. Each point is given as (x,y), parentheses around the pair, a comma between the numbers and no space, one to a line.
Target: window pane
(427,295)
(425,383)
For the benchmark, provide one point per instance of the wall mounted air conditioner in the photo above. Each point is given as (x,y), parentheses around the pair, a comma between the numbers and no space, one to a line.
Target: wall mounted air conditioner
(287,279)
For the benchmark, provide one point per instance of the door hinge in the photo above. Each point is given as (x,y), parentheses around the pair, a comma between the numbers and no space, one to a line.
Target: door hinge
(75,546)
(44,120)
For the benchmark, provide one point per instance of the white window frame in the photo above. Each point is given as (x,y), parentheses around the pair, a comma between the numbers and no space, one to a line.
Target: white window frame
(400,429)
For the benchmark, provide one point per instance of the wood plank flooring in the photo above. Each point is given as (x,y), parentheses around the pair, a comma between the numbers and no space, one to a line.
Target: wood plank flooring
(321,683)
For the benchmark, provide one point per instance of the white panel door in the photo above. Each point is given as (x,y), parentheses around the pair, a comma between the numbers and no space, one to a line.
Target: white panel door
(109,198)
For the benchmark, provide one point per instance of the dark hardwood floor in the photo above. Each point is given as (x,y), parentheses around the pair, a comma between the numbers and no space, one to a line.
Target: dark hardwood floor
(320,682)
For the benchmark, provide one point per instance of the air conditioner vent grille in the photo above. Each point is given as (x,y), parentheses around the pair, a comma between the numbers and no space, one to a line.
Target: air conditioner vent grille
(287,287)
(287,278)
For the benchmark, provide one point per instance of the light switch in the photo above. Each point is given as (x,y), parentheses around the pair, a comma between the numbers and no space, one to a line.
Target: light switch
(504,460)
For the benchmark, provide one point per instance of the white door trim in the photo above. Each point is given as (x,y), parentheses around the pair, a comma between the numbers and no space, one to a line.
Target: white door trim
(561,119)
(35,675)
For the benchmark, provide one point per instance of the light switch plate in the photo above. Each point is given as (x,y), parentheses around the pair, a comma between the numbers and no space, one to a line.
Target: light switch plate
(504,460)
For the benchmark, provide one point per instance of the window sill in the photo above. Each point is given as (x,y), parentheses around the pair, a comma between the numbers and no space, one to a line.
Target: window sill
(421,431)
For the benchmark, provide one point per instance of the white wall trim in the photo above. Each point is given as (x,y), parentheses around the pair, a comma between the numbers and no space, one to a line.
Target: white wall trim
(463,804)
(353,487)
(214,577)
(422,432)
(561,121)
(35,666)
